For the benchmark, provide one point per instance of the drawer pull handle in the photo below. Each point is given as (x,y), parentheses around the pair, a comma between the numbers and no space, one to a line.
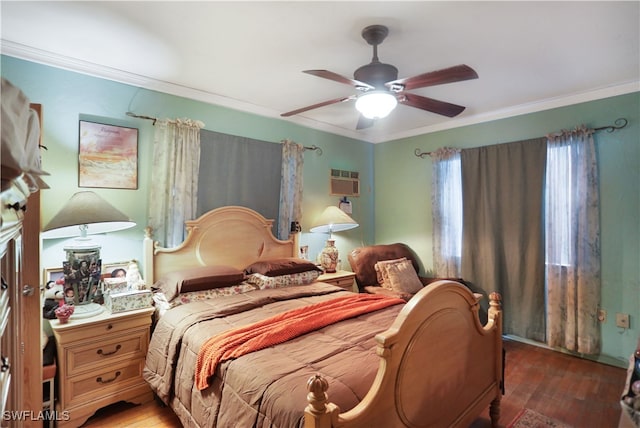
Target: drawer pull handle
(109,326)
(99,379)
(104,354)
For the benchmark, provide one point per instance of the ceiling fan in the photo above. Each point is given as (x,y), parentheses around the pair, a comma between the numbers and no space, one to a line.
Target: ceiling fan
(381,90)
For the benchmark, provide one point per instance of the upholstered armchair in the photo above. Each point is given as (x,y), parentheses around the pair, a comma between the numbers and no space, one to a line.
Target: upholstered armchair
(364,259)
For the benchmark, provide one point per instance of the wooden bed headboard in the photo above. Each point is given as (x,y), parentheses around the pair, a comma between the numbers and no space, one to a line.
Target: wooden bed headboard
(232,236)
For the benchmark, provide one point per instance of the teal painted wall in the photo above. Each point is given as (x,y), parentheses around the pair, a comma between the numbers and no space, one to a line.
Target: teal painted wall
(406,215)
(67,97)
(394,205)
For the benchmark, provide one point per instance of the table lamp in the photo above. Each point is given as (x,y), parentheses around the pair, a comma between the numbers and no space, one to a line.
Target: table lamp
(84,214)
(332,219)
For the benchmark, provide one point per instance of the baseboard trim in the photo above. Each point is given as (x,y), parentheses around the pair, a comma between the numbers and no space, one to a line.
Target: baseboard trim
(604,359)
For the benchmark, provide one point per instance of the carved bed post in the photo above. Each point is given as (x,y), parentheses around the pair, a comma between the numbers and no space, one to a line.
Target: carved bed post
(495,314)
(318,413)
(147,256)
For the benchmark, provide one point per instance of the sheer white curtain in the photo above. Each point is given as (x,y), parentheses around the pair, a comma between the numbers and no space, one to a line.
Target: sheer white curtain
(446,206)
(174,179)
(573,242)
(291,187)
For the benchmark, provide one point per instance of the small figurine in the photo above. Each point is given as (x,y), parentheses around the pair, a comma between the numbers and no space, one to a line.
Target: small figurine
(134,279)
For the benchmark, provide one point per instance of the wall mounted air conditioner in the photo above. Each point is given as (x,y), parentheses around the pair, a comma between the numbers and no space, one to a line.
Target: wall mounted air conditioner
(345,183)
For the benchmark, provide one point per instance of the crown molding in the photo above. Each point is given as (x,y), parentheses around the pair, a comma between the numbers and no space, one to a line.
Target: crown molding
(96,70)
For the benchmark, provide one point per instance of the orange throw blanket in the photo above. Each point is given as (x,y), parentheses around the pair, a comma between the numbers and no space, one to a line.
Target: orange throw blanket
(280,328)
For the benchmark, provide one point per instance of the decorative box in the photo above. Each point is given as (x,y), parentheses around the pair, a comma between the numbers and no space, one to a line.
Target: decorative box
(128,300)
(114,285)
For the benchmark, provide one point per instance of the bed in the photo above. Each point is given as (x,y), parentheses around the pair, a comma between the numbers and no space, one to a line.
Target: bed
(424,363)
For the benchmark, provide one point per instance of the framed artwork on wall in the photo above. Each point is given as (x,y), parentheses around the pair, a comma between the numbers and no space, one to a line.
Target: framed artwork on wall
(107,156)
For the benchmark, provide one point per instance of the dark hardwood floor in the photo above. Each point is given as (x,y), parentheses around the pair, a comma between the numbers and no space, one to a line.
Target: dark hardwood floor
(578,392)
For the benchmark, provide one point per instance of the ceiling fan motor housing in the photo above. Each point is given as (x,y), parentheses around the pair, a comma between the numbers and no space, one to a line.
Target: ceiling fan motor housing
(376,74)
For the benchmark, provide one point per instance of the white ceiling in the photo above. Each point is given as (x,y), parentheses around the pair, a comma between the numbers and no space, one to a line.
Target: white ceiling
(249,56)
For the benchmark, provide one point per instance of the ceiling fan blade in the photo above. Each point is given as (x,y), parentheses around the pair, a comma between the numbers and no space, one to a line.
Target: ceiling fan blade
(326,74)
(432,105)
(322,104)
(456,73)
(364,122)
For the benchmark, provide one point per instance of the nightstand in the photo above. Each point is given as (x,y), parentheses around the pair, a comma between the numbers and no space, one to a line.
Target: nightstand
(341,278)
(100,362)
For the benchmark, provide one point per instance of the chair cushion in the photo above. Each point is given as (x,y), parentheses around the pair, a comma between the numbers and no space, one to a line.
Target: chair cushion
(376,289)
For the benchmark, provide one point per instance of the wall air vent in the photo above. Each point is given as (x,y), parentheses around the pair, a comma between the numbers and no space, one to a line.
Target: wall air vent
(345,183)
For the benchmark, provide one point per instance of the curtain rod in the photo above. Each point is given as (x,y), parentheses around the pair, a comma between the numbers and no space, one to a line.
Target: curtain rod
(617,124)
(315,148)
(137,116)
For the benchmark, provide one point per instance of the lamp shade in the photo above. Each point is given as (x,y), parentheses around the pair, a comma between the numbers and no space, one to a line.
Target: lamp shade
(333,219)
(376,104)
(86,213)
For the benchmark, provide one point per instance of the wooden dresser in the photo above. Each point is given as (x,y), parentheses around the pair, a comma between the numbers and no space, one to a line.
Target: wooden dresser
(100,362)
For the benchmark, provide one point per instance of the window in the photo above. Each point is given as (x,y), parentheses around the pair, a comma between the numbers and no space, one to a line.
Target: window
(558,206)
(451,202)
(447,212)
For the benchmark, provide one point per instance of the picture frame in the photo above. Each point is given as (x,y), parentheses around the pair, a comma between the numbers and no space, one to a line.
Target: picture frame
(52,274)
(107,156)
(108,269)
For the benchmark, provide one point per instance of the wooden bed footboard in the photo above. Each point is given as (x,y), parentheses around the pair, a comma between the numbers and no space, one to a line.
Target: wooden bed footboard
(439,367)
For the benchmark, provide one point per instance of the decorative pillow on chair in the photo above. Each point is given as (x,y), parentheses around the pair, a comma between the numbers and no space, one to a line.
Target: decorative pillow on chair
(403,277)
(381,271)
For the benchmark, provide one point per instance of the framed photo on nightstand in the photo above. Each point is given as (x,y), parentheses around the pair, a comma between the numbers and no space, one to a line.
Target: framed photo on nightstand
(52,274)
(115,270)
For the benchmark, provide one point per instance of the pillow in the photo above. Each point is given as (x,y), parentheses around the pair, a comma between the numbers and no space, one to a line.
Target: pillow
(197,279)
(381,271)
(283,266)
(269,282)
(162,303)
(403,277)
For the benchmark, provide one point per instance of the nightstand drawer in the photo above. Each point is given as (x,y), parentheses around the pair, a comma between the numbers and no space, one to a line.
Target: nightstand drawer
(91,386)
(83,330)
(92,356)
(341,278)
(343,282)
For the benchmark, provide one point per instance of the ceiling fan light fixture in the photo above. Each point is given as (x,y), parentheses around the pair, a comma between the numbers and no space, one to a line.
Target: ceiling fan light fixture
(376,104)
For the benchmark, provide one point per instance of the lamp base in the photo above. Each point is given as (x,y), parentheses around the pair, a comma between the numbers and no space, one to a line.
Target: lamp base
(87,310)
(329,257)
